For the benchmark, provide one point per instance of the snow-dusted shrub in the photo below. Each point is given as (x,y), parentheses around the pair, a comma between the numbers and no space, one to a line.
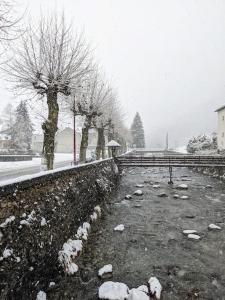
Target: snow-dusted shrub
(202,142)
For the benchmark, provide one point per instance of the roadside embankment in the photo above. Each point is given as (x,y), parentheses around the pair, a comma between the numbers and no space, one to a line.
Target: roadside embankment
(39,215)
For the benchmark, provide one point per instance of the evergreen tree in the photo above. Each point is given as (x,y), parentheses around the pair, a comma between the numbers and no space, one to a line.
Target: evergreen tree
(137,132)
(22,129)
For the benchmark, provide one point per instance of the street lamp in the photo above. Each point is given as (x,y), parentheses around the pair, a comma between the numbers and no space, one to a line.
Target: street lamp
(113,146)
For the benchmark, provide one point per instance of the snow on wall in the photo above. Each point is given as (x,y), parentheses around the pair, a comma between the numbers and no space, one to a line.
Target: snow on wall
(42,216)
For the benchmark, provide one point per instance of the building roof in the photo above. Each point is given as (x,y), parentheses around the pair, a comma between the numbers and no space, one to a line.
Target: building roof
(220,108)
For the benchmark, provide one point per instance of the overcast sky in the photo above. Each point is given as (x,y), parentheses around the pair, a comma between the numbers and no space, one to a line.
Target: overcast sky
(165,57)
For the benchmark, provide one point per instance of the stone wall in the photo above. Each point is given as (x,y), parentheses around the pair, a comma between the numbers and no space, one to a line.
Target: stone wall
(216,172)
(38,215)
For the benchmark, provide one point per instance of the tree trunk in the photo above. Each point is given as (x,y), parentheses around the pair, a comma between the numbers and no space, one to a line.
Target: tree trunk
(84,144)
(110,137)
(103,145)
(50,128)
(100,144)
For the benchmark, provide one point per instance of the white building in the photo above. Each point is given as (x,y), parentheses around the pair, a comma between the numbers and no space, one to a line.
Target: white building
(221,128)
(64,141)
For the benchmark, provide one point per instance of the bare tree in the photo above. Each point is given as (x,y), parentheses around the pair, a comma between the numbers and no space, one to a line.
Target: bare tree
(105,122)
(8,21)
(90,105)
(49,63)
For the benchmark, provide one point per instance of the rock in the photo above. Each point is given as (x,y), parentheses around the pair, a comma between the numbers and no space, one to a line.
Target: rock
(51,284)
(139,185)
(113,291)
(137,205)
(41,296)
(105,271)
(135,294)
(208,186)
(138,193)
(182,187)
(128,197)
(214,227)
(176,196)
(162,195)
(189,231)
(194,236)
(143,288)
(155,287)
(156,186)
(119,228)
(190,216)
(184,197)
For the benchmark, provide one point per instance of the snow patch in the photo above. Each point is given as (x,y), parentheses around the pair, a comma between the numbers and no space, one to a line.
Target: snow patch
(189,231)
(41,296)
(105,270)
(194,236)
(7,221)
(155,287)
(214,227)
(135,294)
(7,253)
(119,228)
(29,219)
(182,187)
(94,216)
(156,186)
(113,291)
(139,185)
(143,288)
(138,193)
(52,283)
(184,197)
(82,232)
(98,210)
(43,221)
(71,249)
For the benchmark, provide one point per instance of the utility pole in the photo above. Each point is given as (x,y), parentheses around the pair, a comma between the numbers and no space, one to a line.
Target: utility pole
(167,141)
(74,133)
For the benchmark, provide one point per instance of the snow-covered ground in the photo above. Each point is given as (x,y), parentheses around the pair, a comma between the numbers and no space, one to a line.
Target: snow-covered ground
(11,165)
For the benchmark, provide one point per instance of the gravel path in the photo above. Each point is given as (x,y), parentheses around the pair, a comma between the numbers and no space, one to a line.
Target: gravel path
(152,242)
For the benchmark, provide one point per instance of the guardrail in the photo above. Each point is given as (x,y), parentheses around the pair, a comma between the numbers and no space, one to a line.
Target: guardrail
(174,161)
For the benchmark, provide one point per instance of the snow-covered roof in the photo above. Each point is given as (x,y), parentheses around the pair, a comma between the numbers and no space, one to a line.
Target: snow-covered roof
(112,143)
(220,108)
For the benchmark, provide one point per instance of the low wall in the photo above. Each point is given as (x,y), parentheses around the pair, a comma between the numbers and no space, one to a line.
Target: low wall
(218,173)
(38,216)
(15,157)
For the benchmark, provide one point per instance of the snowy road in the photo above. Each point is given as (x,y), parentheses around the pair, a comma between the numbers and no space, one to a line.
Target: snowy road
(13,170)
(153,243)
